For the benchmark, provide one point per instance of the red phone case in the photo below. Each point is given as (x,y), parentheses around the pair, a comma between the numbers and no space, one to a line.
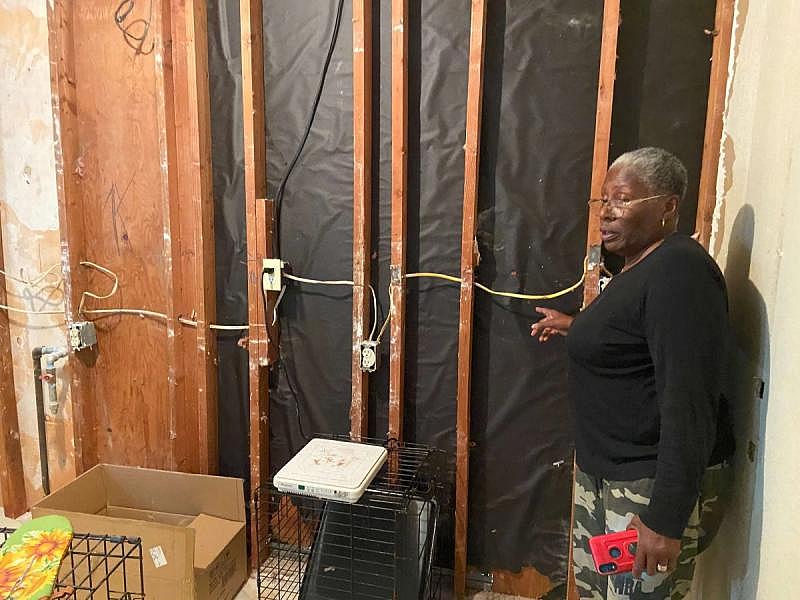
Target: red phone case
(614,552)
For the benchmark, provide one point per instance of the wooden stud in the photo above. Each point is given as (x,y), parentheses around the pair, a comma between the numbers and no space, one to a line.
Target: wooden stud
(12,479)
(467,293)
(720,55)
(191,215)
(362,182)
(258,231)
(397,286)
(602,140)
(68,186)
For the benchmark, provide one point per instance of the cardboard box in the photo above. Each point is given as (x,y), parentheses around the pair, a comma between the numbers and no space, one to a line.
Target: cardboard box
(192,526)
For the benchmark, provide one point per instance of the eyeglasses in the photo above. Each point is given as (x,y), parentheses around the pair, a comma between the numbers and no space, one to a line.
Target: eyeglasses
(618,205)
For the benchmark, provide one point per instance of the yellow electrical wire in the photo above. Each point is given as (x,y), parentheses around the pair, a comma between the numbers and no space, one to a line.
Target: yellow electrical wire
(516,295)
(452,278)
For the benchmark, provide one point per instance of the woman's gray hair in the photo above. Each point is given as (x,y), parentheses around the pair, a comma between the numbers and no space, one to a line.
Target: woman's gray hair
(659,170)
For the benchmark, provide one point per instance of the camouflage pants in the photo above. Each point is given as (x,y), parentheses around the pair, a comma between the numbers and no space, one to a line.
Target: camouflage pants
(603,506)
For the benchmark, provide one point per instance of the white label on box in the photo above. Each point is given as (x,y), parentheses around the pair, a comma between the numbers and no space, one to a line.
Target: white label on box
(157,554)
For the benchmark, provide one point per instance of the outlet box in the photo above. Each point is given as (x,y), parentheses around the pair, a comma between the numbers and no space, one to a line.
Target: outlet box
(82,335)
(370,356)
(271,279)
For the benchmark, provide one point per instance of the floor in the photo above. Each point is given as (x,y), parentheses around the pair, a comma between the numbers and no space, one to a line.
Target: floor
(250,592)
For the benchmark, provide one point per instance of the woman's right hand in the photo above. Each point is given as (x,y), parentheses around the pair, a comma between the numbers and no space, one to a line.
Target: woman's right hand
(552,323)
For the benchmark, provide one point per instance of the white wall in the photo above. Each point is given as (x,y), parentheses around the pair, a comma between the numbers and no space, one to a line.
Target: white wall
(757,242)
(29,218)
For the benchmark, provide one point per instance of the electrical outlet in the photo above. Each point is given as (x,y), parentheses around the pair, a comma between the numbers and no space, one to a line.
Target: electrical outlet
(370,357)
(271,278)
(82,335)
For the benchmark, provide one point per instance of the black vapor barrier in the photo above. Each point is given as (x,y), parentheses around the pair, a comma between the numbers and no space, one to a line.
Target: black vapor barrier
(540,94)
(661,90)
(225,86)
(542,61)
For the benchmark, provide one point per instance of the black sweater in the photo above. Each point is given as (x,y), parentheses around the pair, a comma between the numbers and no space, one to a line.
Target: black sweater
(646,363)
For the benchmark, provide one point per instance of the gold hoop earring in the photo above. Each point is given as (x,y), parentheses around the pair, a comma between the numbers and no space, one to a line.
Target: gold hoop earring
(663,223)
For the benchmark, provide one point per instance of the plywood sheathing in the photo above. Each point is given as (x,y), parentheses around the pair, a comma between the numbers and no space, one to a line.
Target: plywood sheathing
(362,181)
(397,286)
(121,107)
(720,57)
(467,293)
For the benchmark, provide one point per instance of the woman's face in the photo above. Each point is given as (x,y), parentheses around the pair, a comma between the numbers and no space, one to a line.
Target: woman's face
(628,231)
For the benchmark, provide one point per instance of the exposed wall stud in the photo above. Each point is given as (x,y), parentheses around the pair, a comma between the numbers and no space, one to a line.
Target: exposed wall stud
(362,182)
(397,286)
(467,294)
(259,229)
(720,55)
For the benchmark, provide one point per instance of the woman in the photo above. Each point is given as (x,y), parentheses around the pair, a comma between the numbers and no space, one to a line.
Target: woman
(646,361)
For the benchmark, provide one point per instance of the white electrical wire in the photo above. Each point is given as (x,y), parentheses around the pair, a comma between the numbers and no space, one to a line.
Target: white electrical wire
(114,288)
(33,282)
(374,313)
(319,281)
(31,312)
(229,327)
(383,327)
(126,311)
(30,283)
(339,282)
(277,303)
(193,323)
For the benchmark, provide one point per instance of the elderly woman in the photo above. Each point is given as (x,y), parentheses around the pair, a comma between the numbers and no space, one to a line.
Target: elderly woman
(645,376)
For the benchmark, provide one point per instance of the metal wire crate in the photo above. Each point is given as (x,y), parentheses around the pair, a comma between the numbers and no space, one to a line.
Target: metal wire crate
(99,567)
(380,548)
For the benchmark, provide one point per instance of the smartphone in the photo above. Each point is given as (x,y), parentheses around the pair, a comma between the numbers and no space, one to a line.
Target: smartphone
(614,552)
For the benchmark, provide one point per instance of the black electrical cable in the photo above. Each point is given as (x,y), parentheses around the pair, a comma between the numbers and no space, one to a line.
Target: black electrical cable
(276,249)
(296,399)
(282,364)
(304,139)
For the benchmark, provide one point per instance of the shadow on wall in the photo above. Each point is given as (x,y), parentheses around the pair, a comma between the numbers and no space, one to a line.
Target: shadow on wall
(729,569)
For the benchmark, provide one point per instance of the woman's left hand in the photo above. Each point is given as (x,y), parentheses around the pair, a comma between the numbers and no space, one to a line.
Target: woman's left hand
(653,549)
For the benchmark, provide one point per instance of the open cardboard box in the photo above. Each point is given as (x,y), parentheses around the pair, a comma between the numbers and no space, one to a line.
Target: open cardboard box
(192,526)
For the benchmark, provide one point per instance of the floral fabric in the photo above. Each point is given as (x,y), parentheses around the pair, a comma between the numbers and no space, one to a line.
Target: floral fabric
(31,557)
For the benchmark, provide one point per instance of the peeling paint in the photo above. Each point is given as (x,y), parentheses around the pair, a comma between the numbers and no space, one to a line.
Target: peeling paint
(29,218)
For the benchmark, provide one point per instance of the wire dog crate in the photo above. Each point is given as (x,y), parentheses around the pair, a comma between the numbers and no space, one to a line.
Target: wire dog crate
(380,548)
(99,567)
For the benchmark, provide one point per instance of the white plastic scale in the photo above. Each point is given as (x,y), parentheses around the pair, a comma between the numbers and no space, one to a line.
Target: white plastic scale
(331,469)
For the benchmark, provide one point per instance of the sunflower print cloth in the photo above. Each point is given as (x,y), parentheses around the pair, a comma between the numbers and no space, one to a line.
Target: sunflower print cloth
(31,557)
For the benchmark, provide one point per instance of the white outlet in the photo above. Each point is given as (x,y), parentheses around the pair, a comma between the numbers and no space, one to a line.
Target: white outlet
(369,356)
(271,279)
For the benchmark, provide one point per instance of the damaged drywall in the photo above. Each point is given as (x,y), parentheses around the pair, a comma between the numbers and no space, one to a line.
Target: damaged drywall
(29,217)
